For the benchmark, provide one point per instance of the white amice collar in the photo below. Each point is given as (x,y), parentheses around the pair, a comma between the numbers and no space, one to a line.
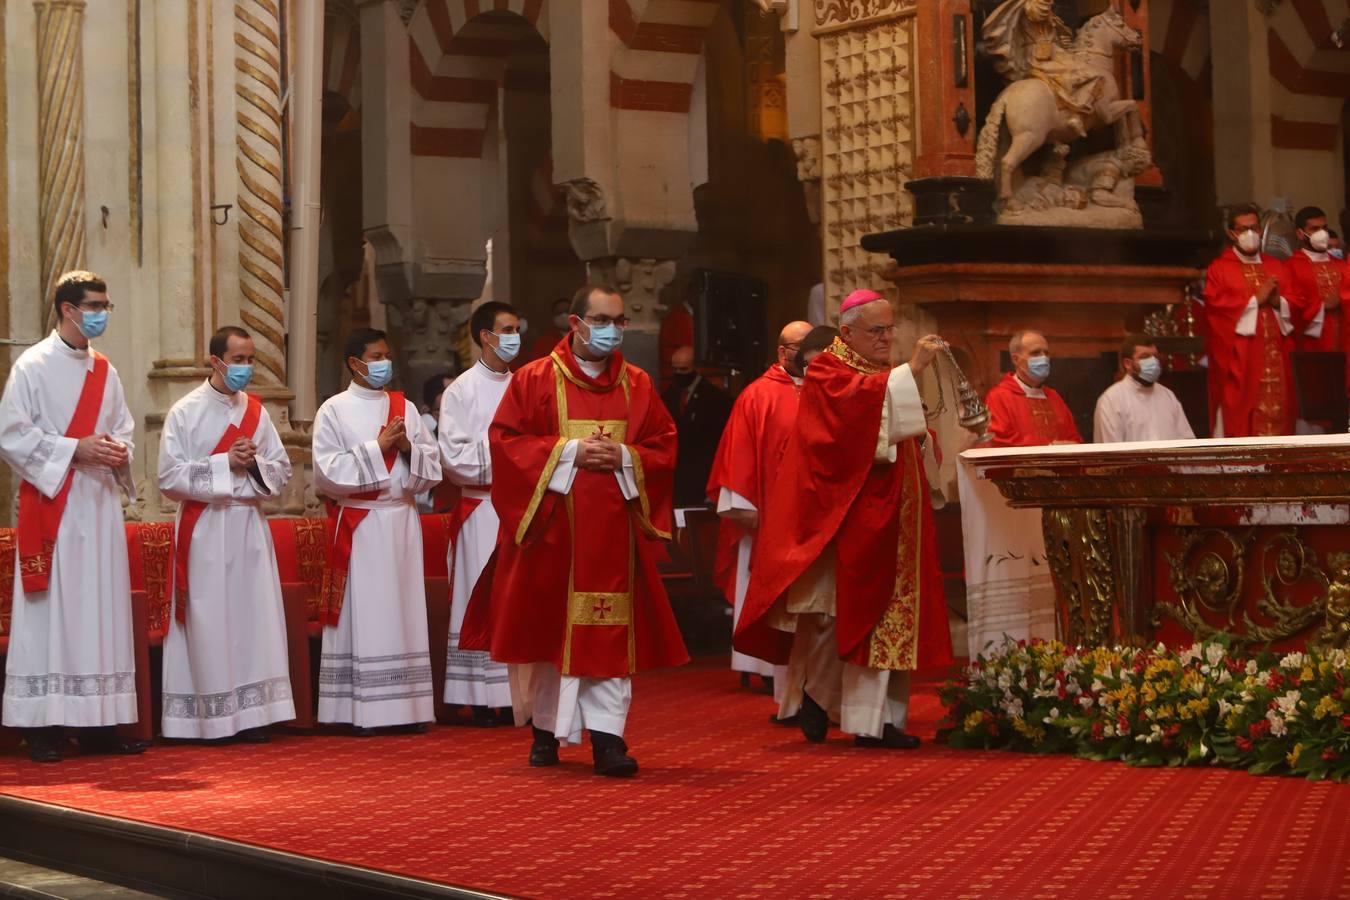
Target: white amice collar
(365,393)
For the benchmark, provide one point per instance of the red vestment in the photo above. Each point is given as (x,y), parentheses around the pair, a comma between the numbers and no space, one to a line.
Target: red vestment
(749,456)
(832,496)
(1318,283)
(1251,380)
(573,580)
(1016,420)
(542,346)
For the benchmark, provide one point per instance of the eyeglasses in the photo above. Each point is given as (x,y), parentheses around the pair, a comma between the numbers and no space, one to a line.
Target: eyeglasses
(96,307)
(1250,229)
(620,321)
(793,347)
(877,332)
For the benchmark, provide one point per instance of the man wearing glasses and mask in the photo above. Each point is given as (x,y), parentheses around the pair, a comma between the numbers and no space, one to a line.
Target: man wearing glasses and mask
(66,431)
(583,461)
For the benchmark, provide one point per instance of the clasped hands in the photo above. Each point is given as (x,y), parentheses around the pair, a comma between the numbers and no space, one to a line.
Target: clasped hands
(101,450)
(598,453)
(242,454)
(1268,294)
(395,434)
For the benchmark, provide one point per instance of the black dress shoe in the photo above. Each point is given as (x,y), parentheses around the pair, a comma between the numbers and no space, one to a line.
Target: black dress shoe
(253,736)
(789,721)
(766,684)
(544,750)
(484,717)
(44,744)
(106,741)
(892,738)
(814,721)
(611,756)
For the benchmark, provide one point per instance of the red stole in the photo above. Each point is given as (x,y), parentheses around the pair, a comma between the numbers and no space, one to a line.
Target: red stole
(192,509)
(1016,420)
(344,521)
(831,496)
(40,517)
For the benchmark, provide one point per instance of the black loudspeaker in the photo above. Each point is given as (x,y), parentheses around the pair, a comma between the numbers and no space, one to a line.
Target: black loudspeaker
(729,320)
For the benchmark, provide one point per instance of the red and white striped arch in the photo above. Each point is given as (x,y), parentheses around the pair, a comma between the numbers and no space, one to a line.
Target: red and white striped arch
(1311,77)
(656,46)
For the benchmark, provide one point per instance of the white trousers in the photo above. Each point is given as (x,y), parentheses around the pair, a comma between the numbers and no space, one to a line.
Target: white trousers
(567,705)
(863,701)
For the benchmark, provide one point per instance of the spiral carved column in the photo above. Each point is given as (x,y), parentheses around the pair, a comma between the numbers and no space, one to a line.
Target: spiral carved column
(257,81)
(60,75)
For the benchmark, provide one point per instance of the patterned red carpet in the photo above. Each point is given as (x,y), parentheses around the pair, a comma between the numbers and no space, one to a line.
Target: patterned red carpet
(729,805)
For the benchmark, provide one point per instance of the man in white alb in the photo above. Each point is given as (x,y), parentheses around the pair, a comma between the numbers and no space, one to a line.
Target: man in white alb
(226,670)
(372,456)
(467,407)
(1137,408)
(66,431)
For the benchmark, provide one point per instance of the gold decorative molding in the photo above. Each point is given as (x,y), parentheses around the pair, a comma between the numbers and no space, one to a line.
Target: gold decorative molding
(258,79)
(60,82)
(1096,557)
(833,15)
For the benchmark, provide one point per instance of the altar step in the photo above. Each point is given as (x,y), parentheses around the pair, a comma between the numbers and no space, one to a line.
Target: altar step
(31,882)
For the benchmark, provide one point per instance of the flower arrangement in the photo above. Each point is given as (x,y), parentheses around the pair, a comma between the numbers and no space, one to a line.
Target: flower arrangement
(1278,713)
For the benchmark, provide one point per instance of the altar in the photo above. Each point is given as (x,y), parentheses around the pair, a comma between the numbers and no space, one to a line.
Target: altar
(1172,541)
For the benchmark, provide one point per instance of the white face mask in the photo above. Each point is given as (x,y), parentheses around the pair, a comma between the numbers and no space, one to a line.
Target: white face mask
(1249,242)
(1319,240)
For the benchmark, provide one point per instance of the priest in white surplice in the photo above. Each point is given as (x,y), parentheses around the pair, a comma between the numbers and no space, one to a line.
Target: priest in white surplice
(66,431)
(467,407)
(226,670)
(372,456)
(1137,408)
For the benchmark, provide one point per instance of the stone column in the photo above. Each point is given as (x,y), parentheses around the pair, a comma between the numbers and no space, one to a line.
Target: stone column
(60,82)
(1245,168)
(257,87)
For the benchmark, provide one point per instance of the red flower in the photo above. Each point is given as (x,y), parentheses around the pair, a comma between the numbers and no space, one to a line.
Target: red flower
(1244,745)
(1338,694)
(993,729)
(1098,731)
(1330,755)
(1122,725)
(1275,680)
(1259,729)
(1345,721)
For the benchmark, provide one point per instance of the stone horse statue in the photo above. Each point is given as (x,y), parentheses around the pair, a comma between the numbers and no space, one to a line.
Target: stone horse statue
(1034,105)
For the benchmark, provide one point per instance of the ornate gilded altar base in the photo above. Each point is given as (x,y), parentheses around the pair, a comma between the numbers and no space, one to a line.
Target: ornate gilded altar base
(1181,540)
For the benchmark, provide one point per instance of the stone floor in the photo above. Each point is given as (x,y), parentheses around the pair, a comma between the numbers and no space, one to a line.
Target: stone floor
(19,879)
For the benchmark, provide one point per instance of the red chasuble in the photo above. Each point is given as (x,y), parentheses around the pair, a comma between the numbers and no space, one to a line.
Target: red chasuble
(831,496)
(1250,378)
(1319,283)
(1016,420)
(192,509)
(749,456)
(573,580)
(40,516)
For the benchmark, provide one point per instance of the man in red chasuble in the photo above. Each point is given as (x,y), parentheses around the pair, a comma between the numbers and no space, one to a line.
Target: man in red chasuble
(583,462)
(1320,283)
(747,463)
(844,582)
(1023,412)
(1252,312)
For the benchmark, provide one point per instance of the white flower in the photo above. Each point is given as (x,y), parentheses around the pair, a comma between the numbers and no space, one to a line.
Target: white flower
(1293,661)
(1013,707)
(1214,653)
(1277,726)
(1054,714)
(1289,703)
(1161,649)
(1251,667)
(1225,676)
(1085,702)
(1097,686)
(1109,731)
(1189,655)
(1204,751)
(1224,707)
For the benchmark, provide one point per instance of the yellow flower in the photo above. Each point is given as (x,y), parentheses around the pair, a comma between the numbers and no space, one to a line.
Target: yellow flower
(1306,674)
(973,721)
(1327,707)
(1292,757)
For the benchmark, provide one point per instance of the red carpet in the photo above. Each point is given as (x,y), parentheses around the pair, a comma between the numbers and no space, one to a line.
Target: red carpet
(729,805)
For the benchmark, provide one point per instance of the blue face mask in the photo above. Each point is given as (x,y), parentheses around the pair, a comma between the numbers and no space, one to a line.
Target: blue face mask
(237,377)
(1150,370)
(93,324)
(1039,368)
(604,339)
(508,346)
(379,373)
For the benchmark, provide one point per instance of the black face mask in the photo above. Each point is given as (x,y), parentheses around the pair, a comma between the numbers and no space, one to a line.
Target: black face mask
(795,365)
(683,379)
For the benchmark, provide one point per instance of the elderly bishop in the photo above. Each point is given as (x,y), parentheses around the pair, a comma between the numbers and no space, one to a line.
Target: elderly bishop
(226,670)
(844,582)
